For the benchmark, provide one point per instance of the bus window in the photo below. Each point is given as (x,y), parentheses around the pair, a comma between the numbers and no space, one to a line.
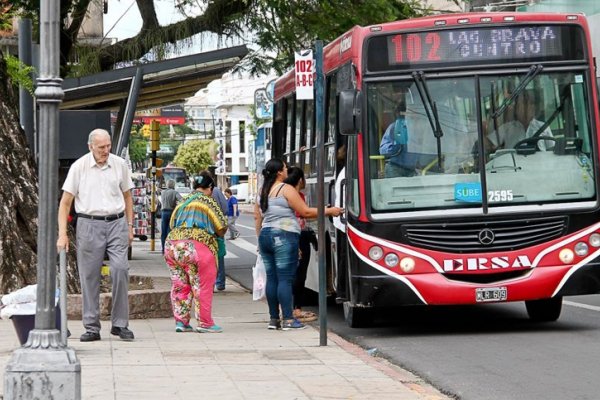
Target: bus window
(289,122)
(308,151)
(403,146)
(538,147)
(332,125)
(298,130)
(179,175)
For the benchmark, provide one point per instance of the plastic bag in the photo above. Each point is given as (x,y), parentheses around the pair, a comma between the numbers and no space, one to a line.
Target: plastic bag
(259,279)
(21,302)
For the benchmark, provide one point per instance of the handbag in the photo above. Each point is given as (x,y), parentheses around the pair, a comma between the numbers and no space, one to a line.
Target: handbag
(259,279)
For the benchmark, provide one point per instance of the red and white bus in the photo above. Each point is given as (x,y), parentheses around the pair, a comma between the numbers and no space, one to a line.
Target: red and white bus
(485,188)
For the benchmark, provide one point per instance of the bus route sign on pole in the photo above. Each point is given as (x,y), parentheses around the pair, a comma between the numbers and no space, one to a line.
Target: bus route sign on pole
(320,125)
(304,69)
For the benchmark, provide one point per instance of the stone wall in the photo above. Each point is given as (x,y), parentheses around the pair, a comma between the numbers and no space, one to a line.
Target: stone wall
(144,303)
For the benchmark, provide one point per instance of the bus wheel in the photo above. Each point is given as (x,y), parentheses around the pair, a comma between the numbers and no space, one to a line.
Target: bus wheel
(143,238)
(130,253)
(357,317)
(546,310)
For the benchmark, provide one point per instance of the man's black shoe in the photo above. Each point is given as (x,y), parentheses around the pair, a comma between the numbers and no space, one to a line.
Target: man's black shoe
(123,333)
(90,336)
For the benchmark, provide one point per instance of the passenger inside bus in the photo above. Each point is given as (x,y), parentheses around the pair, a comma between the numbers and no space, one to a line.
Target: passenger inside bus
(521,122)
(409,144)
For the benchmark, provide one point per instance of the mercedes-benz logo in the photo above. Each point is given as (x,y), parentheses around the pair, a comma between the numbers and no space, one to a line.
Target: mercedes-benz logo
(486,237)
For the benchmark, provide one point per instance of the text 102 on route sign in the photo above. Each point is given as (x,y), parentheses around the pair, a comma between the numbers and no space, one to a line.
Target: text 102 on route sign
(304,68)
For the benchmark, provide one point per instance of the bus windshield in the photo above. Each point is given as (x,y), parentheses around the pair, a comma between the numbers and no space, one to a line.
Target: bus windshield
(177,174)
(509,139)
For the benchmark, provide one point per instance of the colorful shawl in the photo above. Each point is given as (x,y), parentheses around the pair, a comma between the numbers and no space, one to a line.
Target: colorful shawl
(198,218)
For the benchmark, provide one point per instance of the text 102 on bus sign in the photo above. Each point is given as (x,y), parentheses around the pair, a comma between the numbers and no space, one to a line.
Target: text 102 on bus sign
(304,68)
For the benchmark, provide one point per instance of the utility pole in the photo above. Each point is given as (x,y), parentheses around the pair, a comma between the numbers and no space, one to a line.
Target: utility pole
(154,147)
(44,367)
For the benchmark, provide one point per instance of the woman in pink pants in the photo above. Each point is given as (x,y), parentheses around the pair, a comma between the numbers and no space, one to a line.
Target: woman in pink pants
(190,252)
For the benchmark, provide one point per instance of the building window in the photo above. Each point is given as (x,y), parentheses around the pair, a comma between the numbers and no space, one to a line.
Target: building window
(242,136)
(228,137)
(243,165)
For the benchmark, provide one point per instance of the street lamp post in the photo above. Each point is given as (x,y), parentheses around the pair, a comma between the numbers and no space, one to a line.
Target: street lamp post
(44,367)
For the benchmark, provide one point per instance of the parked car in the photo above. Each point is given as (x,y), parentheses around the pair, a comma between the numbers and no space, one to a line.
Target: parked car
(240,191)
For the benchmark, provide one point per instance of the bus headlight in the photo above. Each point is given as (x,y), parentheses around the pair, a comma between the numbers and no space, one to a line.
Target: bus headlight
(407,265)
(595,240)
(391,260)
(581,249)
(566,256)
(375,253)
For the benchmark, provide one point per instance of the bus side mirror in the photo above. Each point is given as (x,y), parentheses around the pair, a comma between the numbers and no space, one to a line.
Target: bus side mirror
(350,114)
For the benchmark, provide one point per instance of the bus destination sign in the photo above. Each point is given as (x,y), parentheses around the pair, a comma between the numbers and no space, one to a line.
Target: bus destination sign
(474,45)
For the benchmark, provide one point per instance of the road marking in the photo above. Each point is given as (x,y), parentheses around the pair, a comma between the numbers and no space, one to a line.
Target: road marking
(245,226)
(243,244)
(581,305)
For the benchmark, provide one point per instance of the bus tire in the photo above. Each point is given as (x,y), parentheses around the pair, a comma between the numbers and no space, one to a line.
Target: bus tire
(130,253)
(357,317)
(545,310)
(143,238)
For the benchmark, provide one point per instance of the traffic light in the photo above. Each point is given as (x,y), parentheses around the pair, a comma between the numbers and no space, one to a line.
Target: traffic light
(159,164)
(154,135)
(158,171)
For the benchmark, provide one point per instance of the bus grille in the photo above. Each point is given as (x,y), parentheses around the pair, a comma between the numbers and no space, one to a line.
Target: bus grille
(473,237)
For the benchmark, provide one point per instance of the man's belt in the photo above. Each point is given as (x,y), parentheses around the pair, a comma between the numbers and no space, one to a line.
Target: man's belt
(102,217)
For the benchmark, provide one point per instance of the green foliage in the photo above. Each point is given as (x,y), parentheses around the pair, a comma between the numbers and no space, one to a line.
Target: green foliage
(279,31)
(137,147)
(20,73)
(256,122)
(195,156)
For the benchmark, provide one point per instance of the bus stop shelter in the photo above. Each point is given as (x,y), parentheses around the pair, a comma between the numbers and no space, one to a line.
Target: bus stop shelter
(151,85)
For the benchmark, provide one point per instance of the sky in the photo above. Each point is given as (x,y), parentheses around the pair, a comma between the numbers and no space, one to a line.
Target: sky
(123,18)
(123,21)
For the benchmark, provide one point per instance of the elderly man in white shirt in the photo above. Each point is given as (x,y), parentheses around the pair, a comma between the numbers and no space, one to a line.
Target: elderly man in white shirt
(100,184)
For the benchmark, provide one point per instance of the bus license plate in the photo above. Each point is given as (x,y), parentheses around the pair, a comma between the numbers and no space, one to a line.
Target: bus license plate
(491,294)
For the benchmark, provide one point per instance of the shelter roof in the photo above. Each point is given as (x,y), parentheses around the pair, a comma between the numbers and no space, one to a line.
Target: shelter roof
(164,82)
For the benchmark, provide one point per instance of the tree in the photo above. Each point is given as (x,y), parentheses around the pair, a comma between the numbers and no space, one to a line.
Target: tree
(18,194)
(195,156)
(277,28)
(137,149)
(284,27)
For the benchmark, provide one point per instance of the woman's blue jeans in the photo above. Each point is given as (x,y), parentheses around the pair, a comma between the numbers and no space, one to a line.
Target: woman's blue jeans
(279,250)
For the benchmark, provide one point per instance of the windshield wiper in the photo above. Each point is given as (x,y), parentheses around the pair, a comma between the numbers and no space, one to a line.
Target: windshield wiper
(431,112)
(534,70)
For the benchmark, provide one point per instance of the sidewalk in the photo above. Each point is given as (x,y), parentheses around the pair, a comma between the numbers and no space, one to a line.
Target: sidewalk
(246,361)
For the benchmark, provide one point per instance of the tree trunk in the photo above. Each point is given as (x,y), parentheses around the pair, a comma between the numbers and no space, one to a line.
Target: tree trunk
(19,199)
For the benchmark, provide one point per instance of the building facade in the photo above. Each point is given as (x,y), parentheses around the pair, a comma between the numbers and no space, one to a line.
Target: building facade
(223,112)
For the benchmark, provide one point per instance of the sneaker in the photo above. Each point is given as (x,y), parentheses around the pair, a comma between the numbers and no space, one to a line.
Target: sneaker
(209,329)
(181,327)
(292,324)
(237,235)
(274,324)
